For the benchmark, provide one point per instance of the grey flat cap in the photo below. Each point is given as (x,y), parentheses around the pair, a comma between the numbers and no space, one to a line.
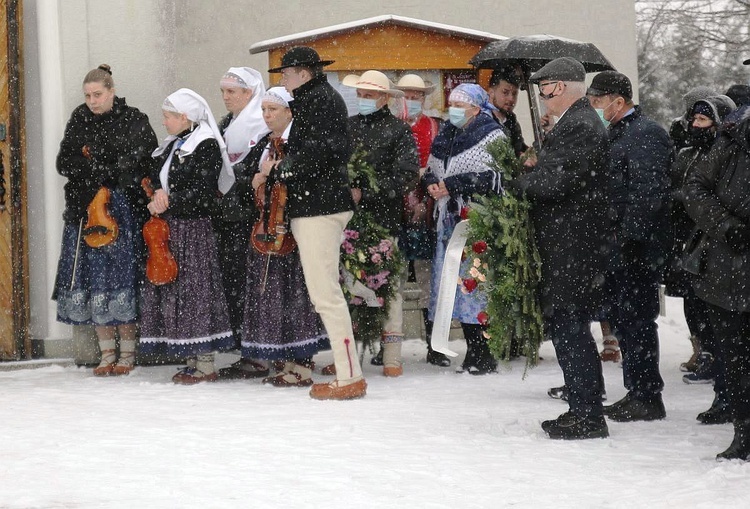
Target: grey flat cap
(563,69)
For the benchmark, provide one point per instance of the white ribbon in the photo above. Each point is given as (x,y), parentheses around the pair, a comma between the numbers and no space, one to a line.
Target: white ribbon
(447,292)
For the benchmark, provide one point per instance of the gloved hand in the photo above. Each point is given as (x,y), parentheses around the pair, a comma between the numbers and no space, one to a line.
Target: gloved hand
(738,238)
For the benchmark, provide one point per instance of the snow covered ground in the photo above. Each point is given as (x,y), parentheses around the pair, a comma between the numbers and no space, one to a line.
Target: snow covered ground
(431,439)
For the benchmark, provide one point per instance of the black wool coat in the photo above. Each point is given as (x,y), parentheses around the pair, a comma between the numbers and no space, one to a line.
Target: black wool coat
(119,144)
(568,192)
(193,181)
(391,151)
(315,166)
(717,197)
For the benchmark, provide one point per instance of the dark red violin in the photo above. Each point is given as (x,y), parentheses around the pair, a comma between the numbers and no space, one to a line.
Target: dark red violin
(161,267)
(271,233)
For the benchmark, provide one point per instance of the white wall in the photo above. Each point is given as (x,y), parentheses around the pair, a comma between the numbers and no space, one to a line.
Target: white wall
(157,46)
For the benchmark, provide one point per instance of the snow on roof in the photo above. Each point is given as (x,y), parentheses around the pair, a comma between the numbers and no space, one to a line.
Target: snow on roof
(312,35)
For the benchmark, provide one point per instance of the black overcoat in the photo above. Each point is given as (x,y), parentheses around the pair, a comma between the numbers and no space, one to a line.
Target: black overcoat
(568,188)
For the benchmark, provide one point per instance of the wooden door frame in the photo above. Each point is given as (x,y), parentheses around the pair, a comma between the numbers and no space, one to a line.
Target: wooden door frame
(16,199)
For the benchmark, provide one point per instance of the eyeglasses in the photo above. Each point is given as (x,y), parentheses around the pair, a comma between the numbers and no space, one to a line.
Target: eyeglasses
(541,87)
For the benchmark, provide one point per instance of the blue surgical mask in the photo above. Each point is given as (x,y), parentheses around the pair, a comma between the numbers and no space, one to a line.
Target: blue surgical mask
(457,116)
(367,106)
(413,108)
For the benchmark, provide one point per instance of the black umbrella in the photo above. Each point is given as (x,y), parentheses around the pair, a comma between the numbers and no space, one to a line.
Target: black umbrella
(529,53)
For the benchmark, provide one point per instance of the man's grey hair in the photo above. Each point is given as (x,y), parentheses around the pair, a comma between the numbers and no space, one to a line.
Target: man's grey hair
(575,88)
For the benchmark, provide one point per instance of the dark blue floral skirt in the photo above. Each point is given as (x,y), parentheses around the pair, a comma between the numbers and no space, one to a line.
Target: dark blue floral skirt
(280,322)
(103,290)
(188,316)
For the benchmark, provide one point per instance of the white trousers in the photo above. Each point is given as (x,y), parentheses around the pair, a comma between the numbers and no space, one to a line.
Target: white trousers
(319,242)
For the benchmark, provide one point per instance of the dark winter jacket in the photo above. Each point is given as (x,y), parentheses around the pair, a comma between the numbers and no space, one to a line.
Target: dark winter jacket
(457,146)
(193,182)
(640,158)
(315,166)
(249,170)
(390,150)
(717,197)
(567,189)
(233,207)
(677,281)
(119,144)
(513,130)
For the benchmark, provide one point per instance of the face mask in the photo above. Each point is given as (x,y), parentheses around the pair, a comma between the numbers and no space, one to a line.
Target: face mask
(701,137)
(600,112)
(367,106)
(457,116)
(413,108)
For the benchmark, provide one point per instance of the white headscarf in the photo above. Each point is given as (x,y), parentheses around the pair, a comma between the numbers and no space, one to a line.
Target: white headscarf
(197,110)
(248,127)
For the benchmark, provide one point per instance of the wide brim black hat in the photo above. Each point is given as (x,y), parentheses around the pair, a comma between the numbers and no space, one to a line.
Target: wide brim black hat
(301,56)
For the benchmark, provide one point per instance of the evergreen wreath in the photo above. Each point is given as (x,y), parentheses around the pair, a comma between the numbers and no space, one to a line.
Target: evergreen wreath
(505,263)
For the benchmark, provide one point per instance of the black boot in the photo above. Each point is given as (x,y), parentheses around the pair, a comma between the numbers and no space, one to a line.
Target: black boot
(479,360)
(630,409)
(377,359)
(719,412)
(433,357)
(740,447)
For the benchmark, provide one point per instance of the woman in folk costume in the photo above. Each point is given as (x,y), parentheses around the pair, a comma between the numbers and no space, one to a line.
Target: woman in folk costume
(280,323)
(242,91)
(188,317)
(106,147)
(457,169)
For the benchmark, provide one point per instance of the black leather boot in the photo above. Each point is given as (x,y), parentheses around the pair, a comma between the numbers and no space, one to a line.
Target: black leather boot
(740,447)
(719,412)
(433,357)
(479,360)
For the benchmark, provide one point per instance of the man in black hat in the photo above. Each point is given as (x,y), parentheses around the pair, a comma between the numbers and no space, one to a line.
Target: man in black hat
(639,197)
(567,189)
(320,205)
(503,92)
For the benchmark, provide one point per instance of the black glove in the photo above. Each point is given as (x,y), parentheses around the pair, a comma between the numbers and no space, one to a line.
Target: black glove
(738,238)
(632,250)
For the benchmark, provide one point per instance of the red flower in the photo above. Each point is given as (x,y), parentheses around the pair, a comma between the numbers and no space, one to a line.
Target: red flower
(470,284)
(479,247)
(464,213)
(483,318)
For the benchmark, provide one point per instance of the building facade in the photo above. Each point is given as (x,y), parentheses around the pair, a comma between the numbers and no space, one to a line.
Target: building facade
(157,46)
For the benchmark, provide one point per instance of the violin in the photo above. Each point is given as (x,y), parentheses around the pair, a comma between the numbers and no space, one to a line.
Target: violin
(271,233)
(101,228)
(161,267)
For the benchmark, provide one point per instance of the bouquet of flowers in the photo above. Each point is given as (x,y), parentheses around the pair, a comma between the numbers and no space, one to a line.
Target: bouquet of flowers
(505,263)
(371,264)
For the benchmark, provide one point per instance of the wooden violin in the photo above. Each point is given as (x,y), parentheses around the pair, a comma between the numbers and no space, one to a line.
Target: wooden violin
(161,267)
(101,228)
(271,233)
